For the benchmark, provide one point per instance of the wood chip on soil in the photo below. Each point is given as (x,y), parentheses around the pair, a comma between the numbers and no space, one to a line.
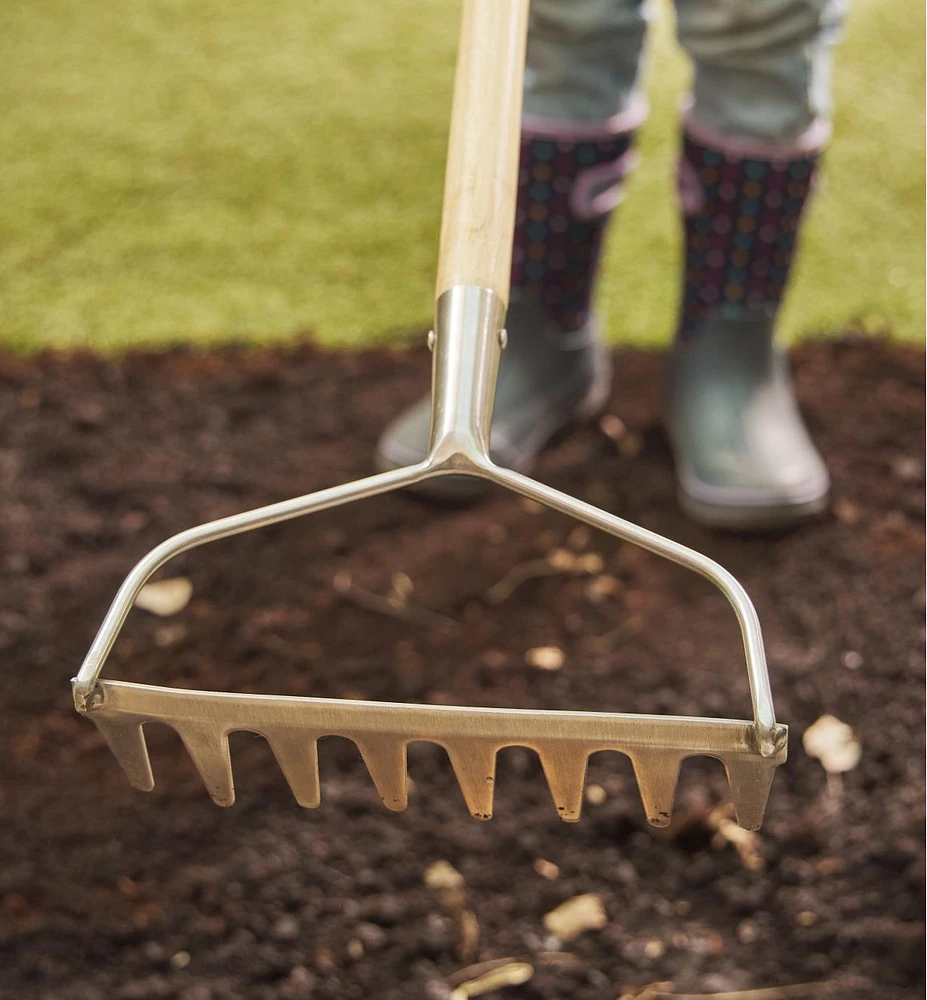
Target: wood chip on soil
(165,597)
(545,657)
(833,743)
(512,974)
(576,915)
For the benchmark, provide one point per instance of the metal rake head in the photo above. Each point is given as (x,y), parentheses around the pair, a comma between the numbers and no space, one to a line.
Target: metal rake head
(467,345)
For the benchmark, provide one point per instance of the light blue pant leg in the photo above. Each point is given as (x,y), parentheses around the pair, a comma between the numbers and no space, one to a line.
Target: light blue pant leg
(761,67)
(583,58)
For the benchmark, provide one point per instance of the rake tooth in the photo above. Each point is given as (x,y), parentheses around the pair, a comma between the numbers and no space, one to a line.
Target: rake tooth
(565,770)
(657,772)
(751,780)
(127,742)
(298,757)
(474,764)
(208,748)
(385,757)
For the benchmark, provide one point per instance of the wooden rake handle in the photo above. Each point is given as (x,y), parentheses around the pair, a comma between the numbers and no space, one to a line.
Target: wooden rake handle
(478,216)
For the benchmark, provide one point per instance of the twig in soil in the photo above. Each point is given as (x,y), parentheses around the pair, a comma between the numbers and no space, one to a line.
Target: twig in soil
(630,626)
(745,842)
(510,974)
(794,991)
(478,969)
(554,563)
(450,889)
(393,605)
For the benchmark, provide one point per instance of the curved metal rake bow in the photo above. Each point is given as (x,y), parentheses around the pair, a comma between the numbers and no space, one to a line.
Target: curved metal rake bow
(467,344)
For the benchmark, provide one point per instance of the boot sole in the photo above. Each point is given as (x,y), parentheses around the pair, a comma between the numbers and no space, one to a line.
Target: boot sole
(752,519)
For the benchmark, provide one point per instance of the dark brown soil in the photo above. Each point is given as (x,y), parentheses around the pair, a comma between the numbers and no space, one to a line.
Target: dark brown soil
(107,892)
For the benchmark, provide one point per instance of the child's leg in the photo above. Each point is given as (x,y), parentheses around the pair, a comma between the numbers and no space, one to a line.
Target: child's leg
(753,133)
(583,58)
(581,108)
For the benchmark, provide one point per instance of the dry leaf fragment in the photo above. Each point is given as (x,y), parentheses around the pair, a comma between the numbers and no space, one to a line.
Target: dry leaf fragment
(581,913)
(745,842)
(833,743)
(512,974)
(166,597)
(545,657)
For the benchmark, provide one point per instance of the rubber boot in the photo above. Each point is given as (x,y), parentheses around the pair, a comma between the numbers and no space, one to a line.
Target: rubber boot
(744,459)
(555,370)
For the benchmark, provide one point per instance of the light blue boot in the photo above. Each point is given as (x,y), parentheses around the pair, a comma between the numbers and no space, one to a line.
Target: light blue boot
(744,459)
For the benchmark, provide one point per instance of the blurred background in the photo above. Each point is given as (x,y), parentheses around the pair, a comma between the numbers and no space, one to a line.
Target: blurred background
(211,171)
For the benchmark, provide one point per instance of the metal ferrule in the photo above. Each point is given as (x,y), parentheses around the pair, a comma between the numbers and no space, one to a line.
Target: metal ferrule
(468,344)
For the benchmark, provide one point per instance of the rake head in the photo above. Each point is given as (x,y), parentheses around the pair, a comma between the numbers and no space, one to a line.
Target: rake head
(469,340)
(471,737)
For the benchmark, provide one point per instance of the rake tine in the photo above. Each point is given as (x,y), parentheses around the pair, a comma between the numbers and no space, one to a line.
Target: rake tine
(565,770)
(385,757)
(475,768)
(298,757)
(657,772)
(208,748)
(751,781)
(127,741)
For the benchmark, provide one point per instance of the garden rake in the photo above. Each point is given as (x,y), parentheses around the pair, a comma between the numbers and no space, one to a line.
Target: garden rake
(467,341)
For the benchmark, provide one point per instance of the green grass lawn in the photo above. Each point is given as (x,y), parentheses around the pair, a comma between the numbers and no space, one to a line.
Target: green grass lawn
(176,170)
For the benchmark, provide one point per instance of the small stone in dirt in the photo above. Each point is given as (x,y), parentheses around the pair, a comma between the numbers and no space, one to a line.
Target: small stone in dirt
(545,657)
(180,960)
(355,949)
(197,992)
(595,795)
(655,948)
(579,537)
(169,635)
(601,587)
(547,869)
(443,875)
(286,928)
(851,660)
(845,511)
(833,743)
(497,533)
(907,468)
(325,959)
(165,597)
(613,427)
(298,983)
(370,935)
(576,915)
(153,951)
(494,659)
